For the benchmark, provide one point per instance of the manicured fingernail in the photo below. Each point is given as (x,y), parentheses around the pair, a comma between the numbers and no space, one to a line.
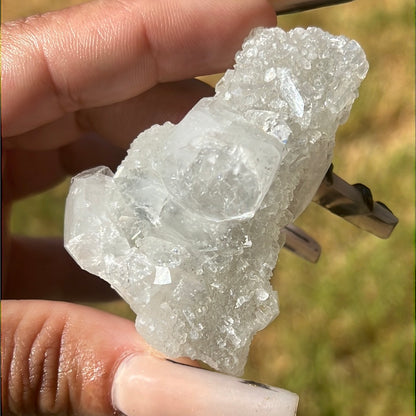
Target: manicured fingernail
(146,385)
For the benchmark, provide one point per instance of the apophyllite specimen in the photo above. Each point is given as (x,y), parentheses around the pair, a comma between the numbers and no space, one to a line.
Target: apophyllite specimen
(188,229)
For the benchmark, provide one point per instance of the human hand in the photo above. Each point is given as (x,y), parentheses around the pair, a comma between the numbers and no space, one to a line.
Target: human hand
(77,86)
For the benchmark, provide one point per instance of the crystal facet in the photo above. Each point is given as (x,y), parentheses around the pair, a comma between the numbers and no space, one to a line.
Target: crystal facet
(188,229)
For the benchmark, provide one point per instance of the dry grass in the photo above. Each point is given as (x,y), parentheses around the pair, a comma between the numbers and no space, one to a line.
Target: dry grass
(344,340)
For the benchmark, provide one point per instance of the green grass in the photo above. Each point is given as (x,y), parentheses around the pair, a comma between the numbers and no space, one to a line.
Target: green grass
(345,338)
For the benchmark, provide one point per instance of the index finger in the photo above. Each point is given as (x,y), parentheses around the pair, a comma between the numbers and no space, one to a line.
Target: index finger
(107,51)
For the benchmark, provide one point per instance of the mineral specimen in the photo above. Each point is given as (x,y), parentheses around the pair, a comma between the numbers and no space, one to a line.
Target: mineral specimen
(188,229)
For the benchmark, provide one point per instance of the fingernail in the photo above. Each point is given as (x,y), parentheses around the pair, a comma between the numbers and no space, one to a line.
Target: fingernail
(147,385)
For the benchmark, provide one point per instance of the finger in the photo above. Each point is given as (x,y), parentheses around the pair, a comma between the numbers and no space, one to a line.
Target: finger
(40,268)
(27,172)
(88,152)
(108,51)
(121,122)
(63,358)
(59,358)
(30,172)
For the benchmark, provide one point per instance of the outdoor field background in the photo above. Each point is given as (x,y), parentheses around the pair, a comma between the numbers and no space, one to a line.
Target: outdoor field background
(344,340)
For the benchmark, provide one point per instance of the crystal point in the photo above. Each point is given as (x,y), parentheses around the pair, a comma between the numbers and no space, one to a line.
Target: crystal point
(188,229)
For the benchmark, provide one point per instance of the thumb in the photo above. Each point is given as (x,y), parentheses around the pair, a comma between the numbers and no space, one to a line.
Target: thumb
(61,358)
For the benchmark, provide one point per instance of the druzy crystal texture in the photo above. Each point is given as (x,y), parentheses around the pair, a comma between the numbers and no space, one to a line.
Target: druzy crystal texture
(189,227)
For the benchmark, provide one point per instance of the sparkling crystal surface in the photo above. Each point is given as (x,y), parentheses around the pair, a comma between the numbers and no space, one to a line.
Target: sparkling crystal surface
(188,229)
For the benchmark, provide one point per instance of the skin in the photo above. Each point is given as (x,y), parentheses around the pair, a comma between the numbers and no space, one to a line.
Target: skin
(77,86)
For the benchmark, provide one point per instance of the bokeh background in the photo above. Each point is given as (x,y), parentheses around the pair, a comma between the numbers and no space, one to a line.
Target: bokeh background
(344,340)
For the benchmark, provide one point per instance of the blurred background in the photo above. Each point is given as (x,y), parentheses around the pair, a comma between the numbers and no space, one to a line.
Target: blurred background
(344,340)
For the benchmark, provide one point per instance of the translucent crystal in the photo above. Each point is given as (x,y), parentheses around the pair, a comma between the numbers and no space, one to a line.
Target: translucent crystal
(188,229)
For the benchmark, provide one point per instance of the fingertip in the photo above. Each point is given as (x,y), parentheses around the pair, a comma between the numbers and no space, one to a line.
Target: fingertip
(266,14)
(207,34)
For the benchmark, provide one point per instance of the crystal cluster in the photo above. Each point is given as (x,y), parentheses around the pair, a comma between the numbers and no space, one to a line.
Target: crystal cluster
(188,229)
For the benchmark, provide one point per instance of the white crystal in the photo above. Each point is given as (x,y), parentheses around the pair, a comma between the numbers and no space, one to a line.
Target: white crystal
(162,275)
(189,228)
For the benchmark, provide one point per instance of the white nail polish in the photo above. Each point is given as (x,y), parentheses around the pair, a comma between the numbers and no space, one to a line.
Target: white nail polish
(148,386)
